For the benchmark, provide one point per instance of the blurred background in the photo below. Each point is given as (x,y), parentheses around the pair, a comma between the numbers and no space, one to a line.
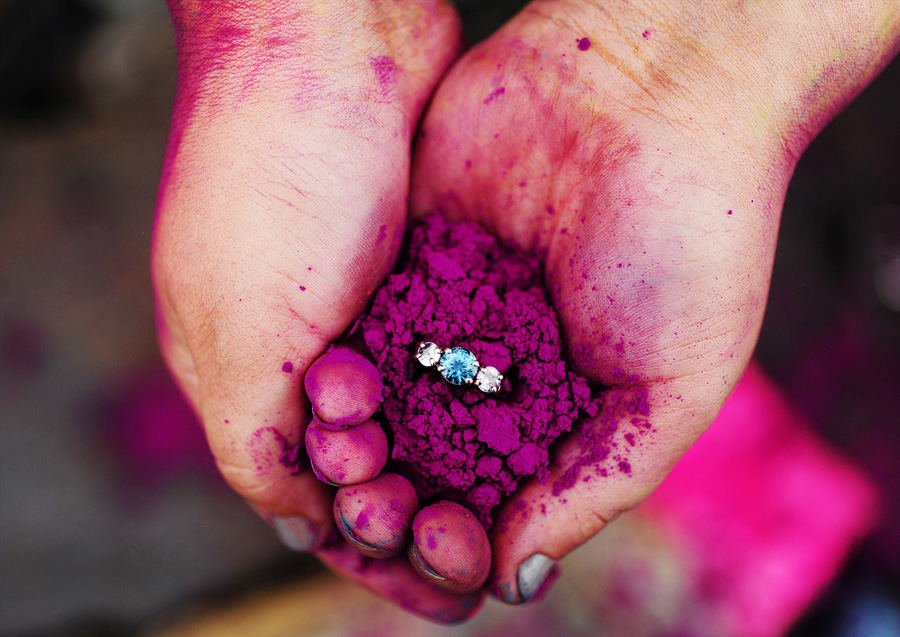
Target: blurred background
(114,521)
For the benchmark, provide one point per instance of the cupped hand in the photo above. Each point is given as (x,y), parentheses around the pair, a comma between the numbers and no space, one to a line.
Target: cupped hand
(643,150)
(379,514)
(281,207)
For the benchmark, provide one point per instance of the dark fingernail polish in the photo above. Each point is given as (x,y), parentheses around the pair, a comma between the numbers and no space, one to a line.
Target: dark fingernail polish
(297,533)
(532,573)
(417,559)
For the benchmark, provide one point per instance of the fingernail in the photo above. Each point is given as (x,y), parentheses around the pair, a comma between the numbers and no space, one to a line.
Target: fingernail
(416,557)
(339,425)
(297,533)
(319,475)
(532,573)
(351,537)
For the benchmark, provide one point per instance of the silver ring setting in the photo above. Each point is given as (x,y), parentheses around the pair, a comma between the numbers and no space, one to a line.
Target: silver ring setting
(459,366)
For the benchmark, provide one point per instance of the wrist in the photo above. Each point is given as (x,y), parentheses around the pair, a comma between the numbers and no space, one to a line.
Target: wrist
(771,75)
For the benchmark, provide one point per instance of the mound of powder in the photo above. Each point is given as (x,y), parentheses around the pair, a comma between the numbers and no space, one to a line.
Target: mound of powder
(459,286)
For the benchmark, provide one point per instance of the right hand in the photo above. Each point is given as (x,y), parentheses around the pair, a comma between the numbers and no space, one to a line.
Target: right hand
(282,206)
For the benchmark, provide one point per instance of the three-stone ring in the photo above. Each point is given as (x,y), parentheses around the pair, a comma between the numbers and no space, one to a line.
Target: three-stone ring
(459,366)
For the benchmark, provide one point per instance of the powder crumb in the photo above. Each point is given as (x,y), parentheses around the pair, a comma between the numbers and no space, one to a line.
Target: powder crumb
(459,286)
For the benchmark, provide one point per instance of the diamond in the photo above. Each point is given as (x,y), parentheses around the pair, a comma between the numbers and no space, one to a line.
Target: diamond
(429,354)
(458,366)
(488,379)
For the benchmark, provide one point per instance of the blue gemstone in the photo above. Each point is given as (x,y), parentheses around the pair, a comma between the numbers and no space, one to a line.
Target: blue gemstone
(458,366)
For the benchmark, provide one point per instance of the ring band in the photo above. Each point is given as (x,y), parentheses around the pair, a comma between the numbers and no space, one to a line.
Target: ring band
(459,366)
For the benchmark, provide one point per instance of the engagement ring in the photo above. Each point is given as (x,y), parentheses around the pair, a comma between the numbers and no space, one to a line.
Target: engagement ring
(459,366)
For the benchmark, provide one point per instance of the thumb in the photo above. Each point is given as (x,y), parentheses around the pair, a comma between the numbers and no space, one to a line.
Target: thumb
(608,467)
(246,385)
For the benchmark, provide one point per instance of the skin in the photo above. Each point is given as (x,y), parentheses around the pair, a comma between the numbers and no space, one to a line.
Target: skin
(281,207)
(666,146)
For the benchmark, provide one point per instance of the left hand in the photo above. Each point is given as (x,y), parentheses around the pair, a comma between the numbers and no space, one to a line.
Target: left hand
(643,150)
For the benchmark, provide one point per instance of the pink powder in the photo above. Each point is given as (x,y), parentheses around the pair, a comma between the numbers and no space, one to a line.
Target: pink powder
(386,71)
(460,287)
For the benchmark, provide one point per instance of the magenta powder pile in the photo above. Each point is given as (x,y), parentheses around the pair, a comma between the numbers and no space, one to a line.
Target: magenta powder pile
(461,287)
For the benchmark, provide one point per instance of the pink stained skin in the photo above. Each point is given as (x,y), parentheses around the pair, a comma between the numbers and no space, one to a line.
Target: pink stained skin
(614,158)
(344,388)
(397,580)
(375,516)
(281,207)
(336,457)
(234,302)
(445,535)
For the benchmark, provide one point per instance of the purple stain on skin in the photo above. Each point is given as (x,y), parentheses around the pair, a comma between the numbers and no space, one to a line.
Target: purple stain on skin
(337,457)
(731,212)
(386,71)
(359,381)
(377,515)
(287,367)
(584,44)
(646,34)
(382,235)
(495,94)
(303,288)
(447,537)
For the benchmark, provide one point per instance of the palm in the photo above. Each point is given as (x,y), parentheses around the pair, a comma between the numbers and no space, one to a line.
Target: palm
(655,259)
(657,243)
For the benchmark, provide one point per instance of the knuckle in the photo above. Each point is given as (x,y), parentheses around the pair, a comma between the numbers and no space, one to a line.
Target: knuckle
(252,483)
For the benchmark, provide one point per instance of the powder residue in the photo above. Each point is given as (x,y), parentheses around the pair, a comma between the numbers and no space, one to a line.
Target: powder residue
(386,71)
(459,286)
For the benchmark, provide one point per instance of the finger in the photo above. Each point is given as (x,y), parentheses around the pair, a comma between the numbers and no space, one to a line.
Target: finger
(396,580)
(375,517)
(253,414)
(262,260)
(450,548)
(303,528)
(350,456)
(595,476)
(344,387)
